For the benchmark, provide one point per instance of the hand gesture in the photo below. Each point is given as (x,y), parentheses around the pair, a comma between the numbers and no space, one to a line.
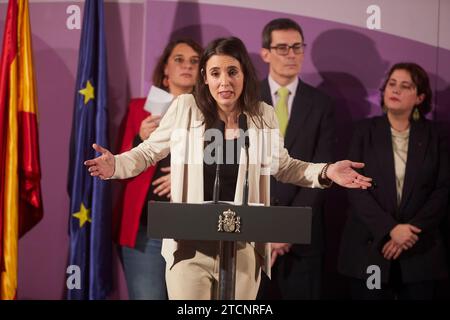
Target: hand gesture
(163,184)
(391,250)
(342,173)
(103,166)
(405,235)
(148,125)
(279,249)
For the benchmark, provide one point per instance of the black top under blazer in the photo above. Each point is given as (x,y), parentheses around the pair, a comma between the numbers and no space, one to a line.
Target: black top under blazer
(374,212)
(309,137)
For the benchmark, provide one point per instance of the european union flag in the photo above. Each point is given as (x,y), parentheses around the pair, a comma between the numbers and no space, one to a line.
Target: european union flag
(90,209)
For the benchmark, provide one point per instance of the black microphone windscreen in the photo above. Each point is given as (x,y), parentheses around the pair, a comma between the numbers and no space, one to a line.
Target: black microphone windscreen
(221,126)
(243,122)
(243,126)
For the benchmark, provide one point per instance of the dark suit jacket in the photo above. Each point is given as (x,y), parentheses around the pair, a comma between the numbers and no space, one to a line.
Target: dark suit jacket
(374,212)
(309,137)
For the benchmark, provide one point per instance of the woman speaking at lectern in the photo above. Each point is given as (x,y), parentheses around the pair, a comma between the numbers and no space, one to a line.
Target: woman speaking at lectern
(226,88)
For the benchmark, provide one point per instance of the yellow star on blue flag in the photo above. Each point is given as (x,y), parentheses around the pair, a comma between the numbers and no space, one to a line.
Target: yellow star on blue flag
(87,92)
(90,211)
(84,215)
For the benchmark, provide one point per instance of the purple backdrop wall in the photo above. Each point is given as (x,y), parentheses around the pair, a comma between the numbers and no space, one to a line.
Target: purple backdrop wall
(346,61)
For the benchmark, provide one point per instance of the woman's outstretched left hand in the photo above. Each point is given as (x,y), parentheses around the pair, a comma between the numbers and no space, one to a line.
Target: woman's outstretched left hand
(343,173)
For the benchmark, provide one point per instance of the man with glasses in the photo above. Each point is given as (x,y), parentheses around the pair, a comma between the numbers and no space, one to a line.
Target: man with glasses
(306,120)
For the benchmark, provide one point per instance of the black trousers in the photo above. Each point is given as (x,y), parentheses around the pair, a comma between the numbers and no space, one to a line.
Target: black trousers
(395,289)
(293,278)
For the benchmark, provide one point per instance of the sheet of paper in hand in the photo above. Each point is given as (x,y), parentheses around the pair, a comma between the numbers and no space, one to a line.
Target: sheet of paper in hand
(158,101)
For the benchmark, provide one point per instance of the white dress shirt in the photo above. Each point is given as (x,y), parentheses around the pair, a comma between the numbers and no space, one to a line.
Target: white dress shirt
(400,141)
(292,87)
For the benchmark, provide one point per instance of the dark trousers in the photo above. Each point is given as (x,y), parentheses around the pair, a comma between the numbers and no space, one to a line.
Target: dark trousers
(293,278)
(395,289)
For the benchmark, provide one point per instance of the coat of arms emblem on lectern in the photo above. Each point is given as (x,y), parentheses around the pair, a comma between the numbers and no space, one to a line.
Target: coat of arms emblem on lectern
(229,222)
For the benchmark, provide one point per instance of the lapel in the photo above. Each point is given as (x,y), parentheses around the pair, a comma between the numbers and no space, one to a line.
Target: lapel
(300,111)
(382,142)
(266,96)
(301,107)
(187,157)
(418,140)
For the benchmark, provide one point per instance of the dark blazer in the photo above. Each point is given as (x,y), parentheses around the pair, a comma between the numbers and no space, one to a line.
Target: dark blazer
(309,137)
(374,212)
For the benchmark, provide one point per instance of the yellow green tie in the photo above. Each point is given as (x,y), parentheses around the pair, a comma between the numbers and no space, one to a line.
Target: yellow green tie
(281,109)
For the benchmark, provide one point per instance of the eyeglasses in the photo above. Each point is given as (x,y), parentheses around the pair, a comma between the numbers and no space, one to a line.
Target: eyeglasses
(283,49)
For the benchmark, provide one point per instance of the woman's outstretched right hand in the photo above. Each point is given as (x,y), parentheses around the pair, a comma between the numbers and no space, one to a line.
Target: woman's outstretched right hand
(103,166)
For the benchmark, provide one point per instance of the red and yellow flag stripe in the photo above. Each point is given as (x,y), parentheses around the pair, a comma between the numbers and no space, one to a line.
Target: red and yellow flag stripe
(30,205)
(21,202)
(10,206)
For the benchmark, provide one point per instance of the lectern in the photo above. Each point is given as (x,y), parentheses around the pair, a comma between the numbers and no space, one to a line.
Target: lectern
(225,222)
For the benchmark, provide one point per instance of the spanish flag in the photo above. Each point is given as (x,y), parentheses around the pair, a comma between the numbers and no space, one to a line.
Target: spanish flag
(20,174)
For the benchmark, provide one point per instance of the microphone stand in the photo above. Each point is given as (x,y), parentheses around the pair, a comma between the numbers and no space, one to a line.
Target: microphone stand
(245,195)
(227,265)
(227,269)
(219,158)
(216,190)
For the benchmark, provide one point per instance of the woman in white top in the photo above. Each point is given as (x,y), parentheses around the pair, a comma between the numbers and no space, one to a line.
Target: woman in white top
(228,87)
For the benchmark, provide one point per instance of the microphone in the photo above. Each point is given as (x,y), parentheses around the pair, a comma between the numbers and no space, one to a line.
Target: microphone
(219,157)
(243,126)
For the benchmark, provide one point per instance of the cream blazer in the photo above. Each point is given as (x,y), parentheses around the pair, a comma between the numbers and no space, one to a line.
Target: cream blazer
(181,132)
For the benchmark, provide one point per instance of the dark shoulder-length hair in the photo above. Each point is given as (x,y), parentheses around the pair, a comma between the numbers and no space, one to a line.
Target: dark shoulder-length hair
(248,101)
(158,72)
(421,81)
